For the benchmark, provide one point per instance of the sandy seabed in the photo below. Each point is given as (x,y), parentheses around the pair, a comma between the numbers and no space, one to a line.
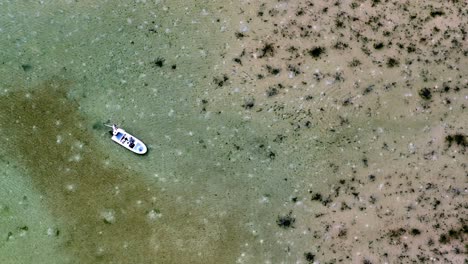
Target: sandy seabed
(278,132)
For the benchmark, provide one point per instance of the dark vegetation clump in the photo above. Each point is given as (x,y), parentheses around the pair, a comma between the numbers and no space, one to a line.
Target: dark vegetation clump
(411,48)
(340,45)
(300,12)
(275,71)
(354,63)
(9,236)
(274,90)
(344,206)
(316,52)
(365,161)
(273,12)
(392,62)
(286,221)
(435,13)
(425,93)
(249,103)
(220,81)
(343,233)
(294,69)
(435,204)
(452,233)
(317,197)
(366,50)
(459,139)
(378,46)
(272,70)
(339,23)
(271,155)
(347,102)
(369,89)
(292,49)
(26,67)
(396,233)
(279,138)
(415,232)
(159,62)
(267,51)
(309,257)
(239,35)
(339,76)
(444,239)
(204,102)
(446,88)
(430,242)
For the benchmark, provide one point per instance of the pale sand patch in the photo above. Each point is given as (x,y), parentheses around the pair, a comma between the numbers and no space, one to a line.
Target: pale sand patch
(359,107)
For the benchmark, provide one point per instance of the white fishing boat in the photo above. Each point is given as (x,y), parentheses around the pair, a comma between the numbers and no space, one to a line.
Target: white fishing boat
(127,140)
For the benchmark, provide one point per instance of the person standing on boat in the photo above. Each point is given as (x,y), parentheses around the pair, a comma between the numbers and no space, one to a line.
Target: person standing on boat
(114,128)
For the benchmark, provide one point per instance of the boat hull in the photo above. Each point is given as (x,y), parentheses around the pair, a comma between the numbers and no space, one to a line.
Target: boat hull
(129,141)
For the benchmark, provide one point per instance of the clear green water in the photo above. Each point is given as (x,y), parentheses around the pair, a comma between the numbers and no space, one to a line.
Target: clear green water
(219,175)
(71,66)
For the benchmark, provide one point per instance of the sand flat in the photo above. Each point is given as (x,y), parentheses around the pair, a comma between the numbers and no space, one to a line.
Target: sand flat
(278,132)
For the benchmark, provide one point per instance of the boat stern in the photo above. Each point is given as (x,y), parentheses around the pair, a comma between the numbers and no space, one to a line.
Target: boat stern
(140,148)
